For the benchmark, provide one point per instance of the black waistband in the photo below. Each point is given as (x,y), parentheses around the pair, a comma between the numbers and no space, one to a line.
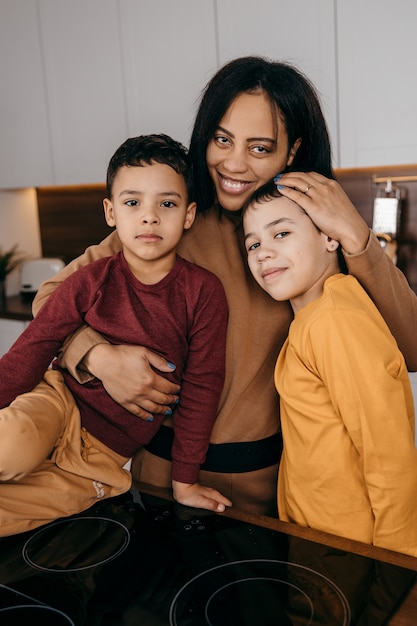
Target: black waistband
(226,457)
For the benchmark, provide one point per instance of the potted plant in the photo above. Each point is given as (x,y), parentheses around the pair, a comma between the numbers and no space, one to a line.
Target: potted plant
(9,260)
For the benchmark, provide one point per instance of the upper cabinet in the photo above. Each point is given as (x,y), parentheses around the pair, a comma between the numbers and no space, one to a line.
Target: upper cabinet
(85,86)
(62,108)
(169,51)
(377,54)
(25,149)
(79,77)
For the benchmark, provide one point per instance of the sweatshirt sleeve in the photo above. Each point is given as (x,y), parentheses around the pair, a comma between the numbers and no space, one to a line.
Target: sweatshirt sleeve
(202,383)
(23,366)
(369,388)
(391,293)
(78,343)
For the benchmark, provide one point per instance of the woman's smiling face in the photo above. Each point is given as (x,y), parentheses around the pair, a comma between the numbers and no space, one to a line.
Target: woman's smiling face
(249,148)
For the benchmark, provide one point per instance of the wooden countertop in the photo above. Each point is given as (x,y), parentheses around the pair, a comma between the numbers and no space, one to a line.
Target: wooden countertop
(16,308)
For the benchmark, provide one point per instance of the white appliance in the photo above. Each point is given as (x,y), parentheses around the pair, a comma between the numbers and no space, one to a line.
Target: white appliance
(33,273)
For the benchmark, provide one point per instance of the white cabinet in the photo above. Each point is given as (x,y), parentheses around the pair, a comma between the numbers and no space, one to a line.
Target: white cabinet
(79,77)
(85,83)
(169,51)
(9,332)
(377,53)
(25,151)
(62,107)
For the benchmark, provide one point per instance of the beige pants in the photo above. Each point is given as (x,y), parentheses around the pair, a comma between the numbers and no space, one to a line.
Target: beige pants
(50,467)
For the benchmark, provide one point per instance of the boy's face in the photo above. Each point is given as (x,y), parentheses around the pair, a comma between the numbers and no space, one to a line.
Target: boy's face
(287,255)
(150,209)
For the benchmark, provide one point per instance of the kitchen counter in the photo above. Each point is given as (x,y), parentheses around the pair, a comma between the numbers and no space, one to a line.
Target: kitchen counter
(15,308)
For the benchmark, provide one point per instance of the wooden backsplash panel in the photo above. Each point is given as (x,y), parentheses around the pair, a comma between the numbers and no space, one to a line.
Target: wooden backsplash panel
(71,218)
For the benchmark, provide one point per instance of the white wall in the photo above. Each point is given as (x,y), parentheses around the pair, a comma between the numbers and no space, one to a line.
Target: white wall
(19,225)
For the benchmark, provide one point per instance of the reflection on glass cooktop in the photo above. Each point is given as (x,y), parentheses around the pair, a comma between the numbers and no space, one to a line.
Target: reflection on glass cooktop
(127,562)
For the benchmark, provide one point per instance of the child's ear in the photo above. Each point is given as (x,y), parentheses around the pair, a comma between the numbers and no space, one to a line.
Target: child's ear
(331,244)
(108,212)
(190,215)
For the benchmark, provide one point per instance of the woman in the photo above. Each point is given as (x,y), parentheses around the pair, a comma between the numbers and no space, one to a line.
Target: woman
(256,118)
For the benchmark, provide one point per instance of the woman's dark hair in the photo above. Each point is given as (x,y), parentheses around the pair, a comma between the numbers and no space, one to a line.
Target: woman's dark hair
(148,149)
(291,94)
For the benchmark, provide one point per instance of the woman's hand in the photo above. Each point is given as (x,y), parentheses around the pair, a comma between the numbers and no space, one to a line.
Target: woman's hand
(128,377)
(328,206)
(199,496)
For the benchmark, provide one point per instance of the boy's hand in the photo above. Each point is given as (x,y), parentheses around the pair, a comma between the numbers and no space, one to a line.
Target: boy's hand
(199,496)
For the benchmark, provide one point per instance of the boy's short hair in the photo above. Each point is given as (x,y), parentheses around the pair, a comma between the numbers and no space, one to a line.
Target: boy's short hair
(148,149)
(264,193)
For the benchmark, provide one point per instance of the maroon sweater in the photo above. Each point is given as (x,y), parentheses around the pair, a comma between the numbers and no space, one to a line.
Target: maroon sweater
(183,318)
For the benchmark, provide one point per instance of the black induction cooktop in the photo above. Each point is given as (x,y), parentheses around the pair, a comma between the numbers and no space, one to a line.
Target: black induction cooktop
(144,561)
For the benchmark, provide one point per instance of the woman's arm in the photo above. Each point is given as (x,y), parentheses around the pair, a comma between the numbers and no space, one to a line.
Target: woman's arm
(127,372)
(129,377)
(390,291)
(334,214)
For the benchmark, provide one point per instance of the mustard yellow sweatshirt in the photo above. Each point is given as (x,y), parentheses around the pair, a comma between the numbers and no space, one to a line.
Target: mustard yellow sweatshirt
(349,465)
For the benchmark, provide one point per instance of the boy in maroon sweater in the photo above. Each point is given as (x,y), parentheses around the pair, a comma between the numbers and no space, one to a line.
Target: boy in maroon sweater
(64,445)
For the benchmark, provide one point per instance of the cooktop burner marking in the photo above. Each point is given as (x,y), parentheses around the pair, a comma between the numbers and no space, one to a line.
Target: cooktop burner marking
(210,594)
(34,611)
(257,579)
(46,530)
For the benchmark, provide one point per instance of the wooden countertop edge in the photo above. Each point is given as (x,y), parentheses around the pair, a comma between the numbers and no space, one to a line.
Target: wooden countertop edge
(302,532)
